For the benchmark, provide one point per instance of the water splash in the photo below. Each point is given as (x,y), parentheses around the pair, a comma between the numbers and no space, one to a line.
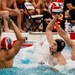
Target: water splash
(31,56)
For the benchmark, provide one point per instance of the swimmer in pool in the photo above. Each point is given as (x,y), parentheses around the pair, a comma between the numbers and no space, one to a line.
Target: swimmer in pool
(63,34)
(8,49)
(56,45)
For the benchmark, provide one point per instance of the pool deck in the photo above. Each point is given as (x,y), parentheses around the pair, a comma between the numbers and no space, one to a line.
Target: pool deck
(32,36)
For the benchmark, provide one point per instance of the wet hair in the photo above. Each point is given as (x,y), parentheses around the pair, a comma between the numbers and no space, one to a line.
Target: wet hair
(61,45)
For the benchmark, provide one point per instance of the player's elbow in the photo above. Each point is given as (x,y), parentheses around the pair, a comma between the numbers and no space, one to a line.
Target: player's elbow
(22,39)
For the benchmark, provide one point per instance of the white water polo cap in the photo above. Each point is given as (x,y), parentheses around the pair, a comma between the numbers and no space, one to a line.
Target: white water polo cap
(6,43)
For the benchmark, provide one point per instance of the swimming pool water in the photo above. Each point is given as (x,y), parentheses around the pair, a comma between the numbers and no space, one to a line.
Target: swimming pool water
(40,70)
(31,71)
(25,65)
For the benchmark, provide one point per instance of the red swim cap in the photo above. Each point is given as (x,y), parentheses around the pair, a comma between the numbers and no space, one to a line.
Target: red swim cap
(6,43)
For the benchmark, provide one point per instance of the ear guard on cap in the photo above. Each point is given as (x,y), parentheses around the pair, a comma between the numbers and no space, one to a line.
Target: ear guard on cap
(6,43)
(61,45)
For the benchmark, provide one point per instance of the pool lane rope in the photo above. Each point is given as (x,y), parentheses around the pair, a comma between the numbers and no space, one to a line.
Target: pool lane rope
(25,44)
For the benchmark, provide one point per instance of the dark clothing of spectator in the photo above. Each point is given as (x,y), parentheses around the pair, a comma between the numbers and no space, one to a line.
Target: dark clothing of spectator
(46,15)
(68,1)
(22,6)
(71,12)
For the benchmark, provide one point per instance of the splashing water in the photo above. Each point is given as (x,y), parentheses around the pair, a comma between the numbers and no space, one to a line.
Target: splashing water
(26,62)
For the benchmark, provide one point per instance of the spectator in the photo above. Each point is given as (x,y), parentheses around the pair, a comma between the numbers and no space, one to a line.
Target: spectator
(46,19)
(46,3)
(38,4)
(70,26)
(11,6)
(46,15)
(73,27)
(24,14)
(4,13)
(33,2)
(69,8)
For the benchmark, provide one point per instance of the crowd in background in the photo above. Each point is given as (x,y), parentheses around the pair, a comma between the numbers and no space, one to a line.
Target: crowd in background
(16,10)
(69,10)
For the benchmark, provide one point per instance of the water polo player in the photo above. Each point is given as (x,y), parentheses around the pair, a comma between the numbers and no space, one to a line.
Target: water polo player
(60,44)
(8,49)
(6,43)
(67,39)
(56,45)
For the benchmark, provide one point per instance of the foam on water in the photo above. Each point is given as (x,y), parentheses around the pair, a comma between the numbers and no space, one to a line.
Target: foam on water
(31,56)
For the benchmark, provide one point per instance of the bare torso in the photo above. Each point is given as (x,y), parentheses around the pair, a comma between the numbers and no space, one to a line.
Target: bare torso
(5,63)
(60,58)
(10,3)
(0,5)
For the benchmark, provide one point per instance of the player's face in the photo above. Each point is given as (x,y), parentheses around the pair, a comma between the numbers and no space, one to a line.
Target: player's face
(53,47)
